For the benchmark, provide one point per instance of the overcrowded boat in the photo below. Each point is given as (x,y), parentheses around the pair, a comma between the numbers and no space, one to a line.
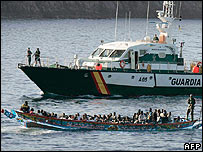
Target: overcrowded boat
(150,66)
(44,120)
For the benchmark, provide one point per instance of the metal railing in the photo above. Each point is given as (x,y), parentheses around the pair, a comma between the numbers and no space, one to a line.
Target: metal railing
(71,63)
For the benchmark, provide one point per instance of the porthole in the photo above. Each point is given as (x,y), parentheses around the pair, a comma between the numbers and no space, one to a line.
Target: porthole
(86,75)
(133,77)
(109,76)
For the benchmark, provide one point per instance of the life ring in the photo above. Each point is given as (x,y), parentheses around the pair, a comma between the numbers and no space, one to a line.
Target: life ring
(98,66)
(122,64)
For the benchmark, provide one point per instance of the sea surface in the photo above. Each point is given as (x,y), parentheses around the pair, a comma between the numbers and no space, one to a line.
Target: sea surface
(59,40)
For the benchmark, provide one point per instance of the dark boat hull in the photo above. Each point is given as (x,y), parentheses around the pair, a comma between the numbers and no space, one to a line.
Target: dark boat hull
(73,82)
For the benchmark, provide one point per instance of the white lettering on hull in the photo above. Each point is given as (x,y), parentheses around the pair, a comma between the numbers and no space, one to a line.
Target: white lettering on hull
(148,80)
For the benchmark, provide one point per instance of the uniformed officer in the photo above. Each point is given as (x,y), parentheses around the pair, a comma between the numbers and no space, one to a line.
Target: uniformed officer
(155,38)
(191,105)
(29,53)
(37,57)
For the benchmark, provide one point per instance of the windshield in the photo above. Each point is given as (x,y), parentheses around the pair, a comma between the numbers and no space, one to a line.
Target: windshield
(97,52)
(117,53)
(106,53)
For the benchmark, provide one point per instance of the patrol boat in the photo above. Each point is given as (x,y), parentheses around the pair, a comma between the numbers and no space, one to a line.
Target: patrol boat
(127,68)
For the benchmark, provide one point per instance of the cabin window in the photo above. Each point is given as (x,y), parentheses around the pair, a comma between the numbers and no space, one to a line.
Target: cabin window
(97,52)
(162,55)
(106,53)
(143,52)
(126,55)
(117,53)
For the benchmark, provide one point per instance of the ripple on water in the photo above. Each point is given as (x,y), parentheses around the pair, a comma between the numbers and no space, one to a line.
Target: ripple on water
(62,38)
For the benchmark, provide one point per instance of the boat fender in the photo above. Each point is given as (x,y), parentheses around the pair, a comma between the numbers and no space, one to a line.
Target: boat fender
(122,64)
(142,64)
(148,68)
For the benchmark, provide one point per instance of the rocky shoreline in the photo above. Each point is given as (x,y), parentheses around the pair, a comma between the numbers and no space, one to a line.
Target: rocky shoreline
(92,9)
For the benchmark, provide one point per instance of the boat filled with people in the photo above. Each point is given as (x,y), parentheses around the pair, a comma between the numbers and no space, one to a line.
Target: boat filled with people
(152,120)
(149,66)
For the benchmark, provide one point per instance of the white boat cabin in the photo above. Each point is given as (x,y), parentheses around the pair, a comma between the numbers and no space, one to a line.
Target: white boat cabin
(142,54)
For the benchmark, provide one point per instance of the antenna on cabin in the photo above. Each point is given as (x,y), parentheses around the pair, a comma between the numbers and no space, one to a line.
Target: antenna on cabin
(180,11)
(147,18)
(126,15)
(116,20)
(129,26)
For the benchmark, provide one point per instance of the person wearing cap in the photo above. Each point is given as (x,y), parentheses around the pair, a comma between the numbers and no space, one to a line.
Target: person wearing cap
(191,105)
(37,56)
(25,107)
(29,53)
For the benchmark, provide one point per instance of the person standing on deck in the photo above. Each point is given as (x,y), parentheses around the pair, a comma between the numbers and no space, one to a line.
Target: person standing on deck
(191,105)
(29,53)
(155,39)
(37,57)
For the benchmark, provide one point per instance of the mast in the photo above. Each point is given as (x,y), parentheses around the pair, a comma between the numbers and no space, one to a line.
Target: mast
(116,20)
(129,26)
(147,18)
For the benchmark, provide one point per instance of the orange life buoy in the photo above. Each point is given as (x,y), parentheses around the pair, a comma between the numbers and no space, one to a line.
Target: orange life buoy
(122,64)
(98,66)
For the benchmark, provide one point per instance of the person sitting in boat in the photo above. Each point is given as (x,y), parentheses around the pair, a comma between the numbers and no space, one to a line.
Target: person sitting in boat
(158,115)
(32,111)
(155,39)
(163,117)
(84,117)
(141,117)
(63,116)
(38,112)
(25,107)
(177,119)
(52,114)
(169,117)
(154,116)
(149,116)
(191,105)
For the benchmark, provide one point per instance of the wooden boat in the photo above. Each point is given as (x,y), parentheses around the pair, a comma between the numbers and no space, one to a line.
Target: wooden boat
(38,121)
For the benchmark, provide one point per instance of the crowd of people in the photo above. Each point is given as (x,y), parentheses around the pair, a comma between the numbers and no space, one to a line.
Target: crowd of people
(140,117)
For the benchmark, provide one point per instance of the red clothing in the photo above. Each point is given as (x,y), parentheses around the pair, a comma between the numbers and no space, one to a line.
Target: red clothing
(195,69)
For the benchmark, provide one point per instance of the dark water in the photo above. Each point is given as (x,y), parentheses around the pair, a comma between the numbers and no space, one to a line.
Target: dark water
(60,40)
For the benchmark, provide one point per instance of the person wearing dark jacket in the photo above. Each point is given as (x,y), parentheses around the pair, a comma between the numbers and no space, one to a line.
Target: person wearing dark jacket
(37,57)
(191,106)
(25,107)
